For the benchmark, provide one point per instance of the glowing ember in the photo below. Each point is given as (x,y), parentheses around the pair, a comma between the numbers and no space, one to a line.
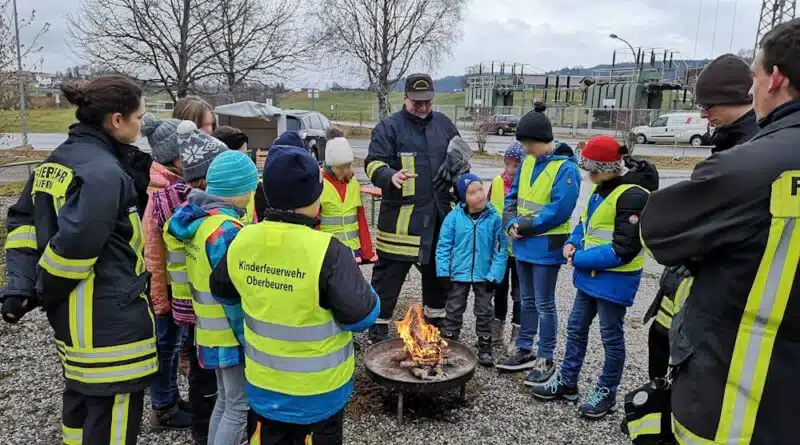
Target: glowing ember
(423,342)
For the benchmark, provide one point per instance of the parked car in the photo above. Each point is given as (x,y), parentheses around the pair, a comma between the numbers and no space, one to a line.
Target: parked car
(504,124)
(674,127)
(312,127)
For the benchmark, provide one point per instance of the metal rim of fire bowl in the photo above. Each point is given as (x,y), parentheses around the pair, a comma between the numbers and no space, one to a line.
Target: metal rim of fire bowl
(411,384)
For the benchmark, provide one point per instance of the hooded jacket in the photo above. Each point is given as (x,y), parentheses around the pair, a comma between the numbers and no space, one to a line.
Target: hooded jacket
(736,339)
(80,251)
(545,250)
(409,217)
(472,250)
(591,273)
(183,225)
(155,252)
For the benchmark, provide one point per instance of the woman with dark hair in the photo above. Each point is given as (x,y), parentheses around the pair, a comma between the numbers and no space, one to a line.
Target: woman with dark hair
(197,110)
(75,247)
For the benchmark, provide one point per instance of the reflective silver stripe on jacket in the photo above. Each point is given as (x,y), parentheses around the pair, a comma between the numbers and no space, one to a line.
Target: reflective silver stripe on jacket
(178,276)
(604,235)
(63,268)
(176,257)
(338,220)
(149,346)
(24,236)
(203,297)
(529,205)
(151,365)
(346,236)
(212,324)
(291,333)
(300,364)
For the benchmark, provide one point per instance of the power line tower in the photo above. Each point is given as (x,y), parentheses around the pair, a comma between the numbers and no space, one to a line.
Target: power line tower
(773,12)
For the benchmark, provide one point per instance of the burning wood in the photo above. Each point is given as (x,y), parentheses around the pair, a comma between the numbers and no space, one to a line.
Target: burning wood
(424,352)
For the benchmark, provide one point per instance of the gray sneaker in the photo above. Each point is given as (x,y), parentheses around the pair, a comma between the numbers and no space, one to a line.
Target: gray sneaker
(497,331)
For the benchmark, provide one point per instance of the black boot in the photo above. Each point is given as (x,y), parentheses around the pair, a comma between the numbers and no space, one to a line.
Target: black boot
(485,357)
(378,333)
(170,418)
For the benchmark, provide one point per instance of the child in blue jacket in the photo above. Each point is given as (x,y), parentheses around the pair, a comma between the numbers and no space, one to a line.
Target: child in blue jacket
(472,253)
(537,216)
(606,251)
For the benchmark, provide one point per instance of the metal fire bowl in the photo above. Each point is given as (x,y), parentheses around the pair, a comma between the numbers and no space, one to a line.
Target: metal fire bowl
(387,373)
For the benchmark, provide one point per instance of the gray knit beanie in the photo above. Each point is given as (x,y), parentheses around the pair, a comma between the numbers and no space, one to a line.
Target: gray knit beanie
(724,81)
(162,136)
(197,150)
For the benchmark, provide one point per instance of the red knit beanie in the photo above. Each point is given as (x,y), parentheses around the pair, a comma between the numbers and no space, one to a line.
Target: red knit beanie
(602,154)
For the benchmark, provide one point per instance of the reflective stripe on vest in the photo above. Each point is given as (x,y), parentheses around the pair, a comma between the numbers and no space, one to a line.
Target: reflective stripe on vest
(176,266)
(599,229)
(763,314)
(292,345)
(532,198)
(211,326)
(338,217)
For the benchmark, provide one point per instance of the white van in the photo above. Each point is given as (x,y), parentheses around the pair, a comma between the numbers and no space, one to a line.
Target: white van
(669,128)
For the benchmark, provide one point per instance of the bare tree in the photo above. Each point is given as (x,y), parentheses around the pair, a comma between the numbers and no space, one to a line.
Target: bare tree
(482,122)
(255,40)
(387,37)
(161,42)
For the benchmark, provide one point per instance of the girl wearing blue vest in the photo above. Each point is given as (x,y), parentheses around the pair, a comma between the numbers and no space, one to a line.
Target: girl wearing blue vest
(537,215)
(607,254)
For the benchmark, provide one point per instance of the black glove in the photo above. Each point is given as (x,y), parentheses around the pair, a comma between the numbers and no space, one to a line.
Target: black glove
(14,307)
(525,226)
(455,164)
(672,278)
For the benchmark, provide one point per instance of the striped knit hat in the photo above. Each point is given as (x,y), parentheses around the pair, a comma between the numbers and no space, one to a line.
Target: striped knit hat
(231,174)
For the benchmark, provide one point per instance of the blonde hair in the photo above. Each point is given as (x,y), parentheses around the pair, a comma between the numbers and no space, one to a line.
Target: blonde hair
(193,108)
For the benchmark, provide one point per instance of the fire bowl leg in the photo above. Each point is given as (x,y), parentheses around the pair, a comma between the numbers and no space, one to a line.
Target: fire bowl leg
(400,407)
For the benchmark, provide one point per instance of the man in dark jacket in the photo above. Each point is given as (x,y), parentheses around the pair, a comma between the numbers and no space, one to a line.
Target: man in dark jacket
(734,224)
(723,94)
(405,156)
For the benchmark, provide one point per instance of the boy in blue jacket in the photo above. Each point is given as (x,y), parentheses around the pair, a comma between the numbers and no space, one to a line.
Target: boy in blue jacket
(606,251)
(537,217)
(472,253)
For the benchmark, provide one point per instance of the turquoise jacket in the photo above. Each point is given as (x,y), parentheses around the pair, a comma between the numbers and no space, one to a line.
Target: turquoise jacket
(472,250)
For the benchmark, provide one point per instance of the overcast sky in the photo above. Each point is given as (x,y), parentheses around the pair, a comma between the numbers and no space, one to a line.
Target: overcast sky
(546,34)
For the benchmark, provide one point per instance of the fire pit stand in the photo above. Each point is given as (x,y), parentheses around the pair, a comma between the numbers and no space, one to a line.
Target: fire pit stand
(383,370)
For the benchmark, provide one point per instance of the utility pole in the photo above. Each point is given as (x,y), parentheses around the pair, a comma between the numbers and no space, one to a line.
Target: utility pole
(21,80)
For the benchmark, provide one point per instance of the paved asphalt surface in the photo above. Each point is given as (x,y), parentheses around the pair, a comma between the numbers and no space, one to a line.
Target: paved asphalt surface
(496,144)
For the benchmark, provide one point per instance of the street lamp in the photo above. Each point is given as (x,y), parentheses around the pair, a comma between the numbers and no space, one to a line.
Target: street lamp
(633,51)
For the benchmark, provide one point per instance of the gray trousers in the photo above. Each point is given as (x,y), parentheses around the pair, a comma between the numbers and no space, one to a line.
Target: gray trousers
(457,304)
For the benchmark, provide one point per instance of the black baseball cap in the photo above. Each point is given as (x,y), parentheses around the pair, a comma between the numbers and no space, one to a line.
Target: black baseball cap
(419,87)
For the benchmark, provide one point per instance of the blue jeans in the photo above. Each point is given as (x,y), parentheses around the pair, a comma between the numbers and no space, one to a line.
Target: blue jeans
(164,389)
(229,420)
(612,334)
(537,292)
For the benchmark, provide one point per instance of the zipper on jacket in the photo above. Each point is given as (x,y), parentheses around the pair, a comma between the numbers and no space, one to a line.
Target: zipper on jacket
(474,244)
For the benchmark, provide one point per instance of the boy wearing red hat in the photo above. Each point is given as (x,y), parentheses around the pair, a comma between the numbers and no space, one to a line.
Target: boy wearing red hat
(607,255)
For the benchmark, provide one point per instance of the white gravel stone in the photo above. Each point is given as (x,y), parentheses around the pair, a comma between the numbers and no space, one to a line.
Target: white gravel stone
(499,409)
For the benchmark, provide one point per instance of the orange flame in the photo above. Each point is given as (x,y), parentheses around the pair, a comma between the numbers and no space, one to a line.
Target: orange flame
(423,342)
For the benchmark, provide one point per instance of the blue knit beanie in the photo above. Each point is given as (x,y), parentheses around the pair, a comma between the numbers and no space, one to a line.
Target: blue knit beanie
(515,152)
(231,174)
(292,178)
(463,183)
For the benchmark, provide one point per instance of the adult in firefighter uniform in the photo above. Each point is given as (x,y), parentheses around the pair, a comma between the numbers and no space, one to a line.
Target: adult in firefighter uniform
(407,153)
(75,245)
(723,94)
(735,342)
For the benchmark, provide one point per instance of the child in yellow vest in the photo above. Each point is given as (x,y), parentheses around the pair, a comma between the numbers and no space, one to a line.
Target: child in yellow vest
(498,191)
(341,210)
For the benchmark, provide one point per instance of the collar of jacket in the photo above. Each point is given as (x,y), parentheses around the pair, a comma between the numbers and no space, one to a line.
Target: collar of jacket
(462,206)
(731,135)
(606,187)
(416,119)
(779,114)
(289,217)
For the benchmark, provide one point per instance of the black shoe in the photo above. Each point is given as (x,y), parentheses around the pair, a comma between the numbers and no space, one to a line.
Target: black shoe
(542,371)
(485,357)
(171,418)
(522,359)
(435,322)
(555,389)
(378,332)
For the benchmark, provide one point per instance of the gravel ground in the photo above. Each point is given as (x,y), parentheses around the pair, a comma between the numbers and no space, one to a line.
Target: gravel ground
(498,410)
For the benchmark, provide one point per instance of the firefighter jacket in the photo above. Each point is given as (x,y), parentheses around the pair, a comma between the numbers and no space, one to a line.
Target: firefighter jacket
(409,217)
(736,340)
(676,281)
(79,218)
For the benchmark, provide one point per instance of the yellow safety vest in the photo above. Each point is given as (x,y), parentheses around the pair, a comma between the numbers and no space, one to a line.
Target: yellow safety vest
(211,325)
(292,345)
(599,229)
(341,218)
(532,198)
(176,266)
(250,211)
(498,202)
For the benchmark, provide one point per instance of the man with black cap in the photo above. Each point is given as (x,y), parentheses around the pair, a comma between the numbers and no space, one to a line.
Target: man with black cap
(411,159)
(303,296)
(723,95)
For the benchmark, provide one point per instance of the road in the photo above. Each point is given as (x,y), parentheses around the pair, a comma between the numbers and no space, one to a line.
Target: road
(496,144)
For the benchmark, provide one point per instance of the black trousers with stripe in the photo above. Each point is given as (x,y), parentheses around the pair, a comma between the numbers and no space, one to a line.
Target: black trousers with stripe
(101,420)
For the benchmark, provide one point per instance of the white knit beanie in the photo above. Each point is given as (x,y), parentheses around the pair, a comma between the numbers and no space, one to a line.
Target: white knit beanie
(338,152)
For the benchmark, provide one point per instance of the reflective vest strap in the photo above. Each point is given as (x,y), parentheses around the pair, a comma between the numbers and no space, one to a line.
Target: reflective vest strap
(300,364)
(763,315)
(292,333)
(498,195)
(531,198)
(336,220)
(176,266)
